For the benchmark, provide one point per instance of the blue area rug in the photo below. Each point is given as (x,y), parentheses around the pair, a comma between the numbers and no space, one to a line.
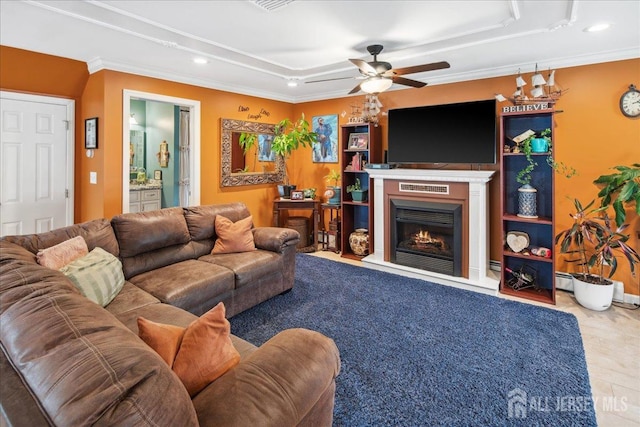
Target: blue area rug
(420,354)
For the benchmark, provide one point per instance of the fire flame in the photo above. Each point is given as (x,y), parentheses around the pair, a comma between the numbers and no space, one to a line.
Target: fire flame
(425,237)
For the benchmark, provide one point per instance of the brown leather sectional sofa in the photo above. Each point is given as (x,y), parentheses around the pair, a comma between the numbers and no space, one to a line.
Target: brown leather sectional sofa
(67,361)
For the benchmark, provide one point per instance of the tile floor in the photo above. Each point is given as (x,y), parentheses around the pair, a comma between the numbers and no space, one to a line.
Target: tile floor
(612,348)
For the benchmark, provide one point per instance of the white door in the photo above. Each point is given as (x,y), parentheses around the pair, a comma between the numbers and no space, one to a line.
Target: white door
(36,156)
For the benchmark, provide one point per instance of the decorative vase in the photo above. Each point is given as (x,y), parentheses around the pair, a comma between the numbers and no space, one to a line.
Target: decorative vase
(359,241)
(527,202)
(539,145)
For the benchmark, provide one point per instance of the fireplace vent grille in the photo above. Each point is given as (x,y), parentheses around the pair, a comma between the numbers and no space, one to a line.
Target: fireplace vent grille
(408,187)
(422,217)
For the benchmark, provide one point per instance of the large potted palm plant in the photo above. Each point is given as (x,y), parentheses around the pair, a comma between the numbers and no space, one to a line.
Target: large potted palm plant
(592,243)
(289,136)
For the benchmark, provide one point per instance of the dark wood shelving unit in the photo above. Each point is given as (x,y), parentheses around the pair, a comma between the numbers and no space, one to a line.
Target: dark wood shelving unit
(539,230)
(357,214)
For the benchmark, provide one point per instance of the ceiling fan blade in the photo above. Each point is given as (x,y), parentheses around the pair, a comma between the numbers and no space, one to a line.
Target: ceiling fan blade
(364,66)
(355,90)
(329,80)
(407,82)
(420,68)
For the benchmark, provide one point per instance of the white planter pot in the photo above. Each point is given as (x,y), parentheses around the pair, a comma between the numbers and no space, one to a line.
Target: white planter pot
(592,296)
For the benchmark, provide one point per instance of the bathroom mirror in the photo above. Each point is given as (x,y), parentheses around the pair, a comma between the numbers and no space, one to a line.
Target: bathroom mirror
(137,150)
(258,165)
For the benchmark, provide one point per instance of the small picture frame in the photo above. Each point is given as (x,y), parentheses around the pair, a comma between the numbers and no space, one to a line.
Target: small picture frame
(359,141)
(157,175)
(91,133)
(297,195)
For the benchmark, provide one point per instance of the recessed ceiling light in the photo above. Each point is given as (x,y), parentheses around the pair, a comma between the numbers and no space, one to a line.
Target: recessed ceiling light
(597,27)
(200,60)
(292,83)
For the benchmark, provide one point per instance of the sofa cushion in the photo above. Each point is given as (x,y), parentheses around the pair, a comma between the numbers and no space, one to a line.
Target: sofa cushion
(248,267)
(130,298)
(59,255)
(200,219)
(142,232)
(199,353)
(97,275)
(96,233)
(279,383)
(192,285)
(233,236)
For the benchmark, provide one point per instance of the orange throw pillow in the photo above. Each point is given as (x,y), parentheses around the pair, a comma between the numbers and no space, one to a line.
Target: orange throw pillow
(233,236)
(63,253)
(164,339)
(203,351)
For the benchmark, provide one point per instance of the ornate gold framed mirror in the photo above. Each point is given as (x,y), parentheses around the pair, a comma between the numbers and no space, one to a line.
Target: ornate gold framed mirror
(253,166)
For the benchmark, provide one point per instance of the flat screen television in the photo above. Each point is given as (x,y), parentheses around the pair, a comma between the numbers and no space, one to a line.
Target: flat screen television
(450,133)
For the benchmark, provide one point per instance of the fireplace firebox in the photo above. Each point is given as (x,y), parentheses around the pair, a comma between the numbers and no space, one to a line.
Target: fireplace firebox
(426,235)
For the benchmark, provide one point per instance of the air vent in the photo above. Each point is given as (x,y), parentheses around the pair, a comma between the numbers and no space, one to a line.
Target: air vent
(271,5)
(407,187)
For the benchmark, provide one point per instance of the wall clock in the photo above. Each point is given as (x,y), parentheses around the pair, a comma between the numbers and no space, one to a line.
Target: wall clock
(630,102)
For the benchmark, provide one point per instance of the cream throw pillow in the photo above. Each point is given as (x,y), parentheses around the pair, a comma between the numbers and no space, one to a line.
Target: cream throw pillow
(98,276)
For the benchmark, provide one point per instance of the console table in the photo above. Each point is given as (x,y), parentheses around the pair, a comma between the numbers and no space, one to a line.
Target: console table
(306,204)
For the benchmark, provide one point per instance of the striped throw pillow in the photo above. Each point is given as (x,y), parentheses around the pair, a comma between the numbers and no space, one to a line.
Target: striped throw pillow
(98,276)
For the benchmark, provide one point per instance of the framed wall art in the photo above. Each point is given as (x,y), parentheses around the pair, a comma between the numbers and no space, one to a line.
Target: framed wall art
(91,133)
(325,150)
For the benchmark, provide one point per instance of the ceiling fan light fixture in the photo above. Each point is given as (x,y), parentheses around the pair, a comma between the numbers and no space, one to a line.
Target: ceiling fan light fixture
(375,84)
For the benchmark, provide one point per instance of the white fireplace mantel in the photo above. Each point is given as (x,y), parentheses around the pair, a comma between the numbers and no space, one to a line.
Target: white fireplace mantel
(480,278)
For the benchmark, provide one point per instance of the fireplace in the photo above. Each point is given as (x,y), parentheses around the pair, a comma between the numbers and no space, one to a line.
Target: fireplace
(426,235)
(469,188)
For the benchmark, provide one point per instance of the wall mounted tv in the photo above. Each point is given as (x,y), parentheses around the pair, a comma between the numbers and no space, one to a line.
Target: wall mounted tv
(450,133)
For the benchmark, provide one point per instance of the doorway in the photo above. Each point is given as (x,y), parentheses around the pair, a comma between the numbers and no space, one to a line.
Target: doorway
(37,161)
(155,151)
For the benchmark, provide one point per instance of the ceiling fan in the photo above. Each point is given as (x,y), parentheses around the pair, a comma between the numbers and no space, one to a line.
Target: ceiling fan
(379,76)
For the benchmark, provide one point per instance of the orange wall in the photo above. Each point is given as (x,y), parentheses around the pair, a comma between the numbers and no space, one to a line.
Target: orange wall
(591,133)
(215,105)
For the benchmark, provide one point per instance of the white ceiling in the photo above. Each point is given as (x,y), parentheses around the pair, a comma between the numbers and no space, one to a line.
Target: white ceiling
(256,52)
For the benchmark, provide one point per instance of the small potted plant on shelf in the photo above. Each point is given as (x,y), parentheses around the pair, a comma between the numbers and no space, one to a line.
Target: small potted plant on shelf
(593,243)
(333,191)
(357,193)
(289,136)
